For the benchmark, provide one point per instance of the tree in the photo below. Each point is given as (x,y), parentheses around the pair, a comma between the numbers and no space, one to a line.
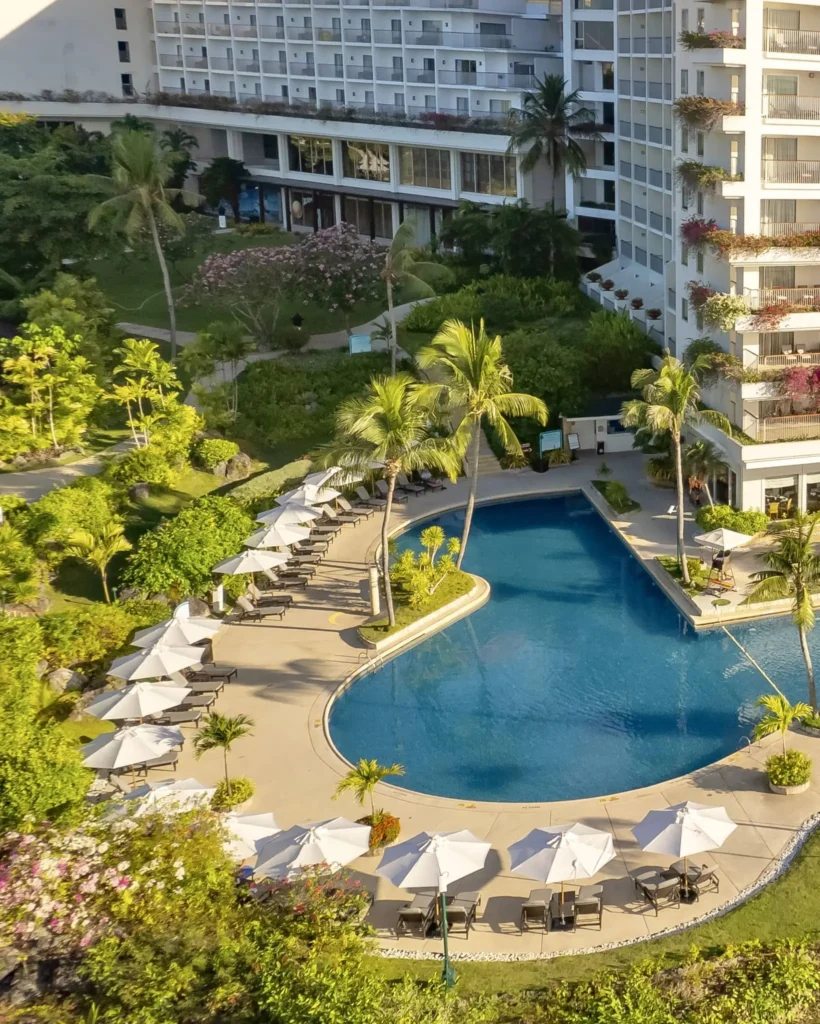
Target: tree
(529,242)
(549,125)
(17,579)
(220,732)
(143,199)
(98,551)
(793,571)
(221,342)
(416,278)
(179,144)
(703,459)
(362,779)
(389,425)
(79,308)
(475,380)
(87,504)
(671,401)
(338,268)
(469,231)
(780,716)
(223,179)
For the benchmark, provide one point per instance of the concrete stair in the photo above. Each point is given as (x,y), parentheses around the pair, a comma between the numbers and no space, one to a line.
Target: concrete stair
(487,462)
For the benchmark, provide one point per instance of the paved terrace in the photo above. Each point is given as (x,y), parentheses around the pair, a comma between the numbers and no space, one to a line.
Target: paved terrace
(287,672)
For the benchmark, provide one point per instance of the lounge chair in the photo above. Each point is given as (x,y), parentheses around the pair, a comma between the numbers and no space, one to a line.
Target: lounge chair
(384,490)
(589,906)
(260,600)
(272,581)
(407,485)
(534,910)
(369,499)
(207,686)
(643,875)
(118,784)
(663,893)
(432,484)
(179,717)
(214,670)
(323,529)
(461,912)
(300,562)
(416,916)
(336,517)
(247,611)
(168,760)
(197,700)
(355,510)
(310,547)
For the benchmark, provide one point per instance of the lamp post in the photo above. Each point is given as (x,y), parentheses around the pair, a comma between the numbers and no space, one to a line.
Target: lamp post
(448,974)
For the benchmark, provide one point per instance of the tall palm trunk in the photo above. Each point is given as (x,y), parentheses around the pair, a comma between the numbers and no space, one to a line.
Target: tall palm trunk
(708,491)
(388,508)
(51,417)
(804,647)
(166,283)
(393,339)
(684,565)
(105,584)
(225,762)
(468,516)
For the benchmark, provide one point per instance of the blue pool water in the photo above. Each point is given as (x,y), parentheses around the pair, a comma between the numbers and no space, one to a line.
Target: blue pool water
(578,678)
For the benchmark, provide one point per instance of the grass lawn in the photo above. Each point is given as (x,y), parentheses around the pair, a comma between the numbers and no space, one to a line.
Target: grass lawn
(615,496)
(134,288)
(698,573)
(96,440)
(454,586)
(58,707)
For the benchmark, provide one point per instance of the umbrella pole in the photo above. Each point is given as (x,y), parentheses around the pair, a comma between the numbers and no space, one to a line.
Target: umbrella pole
(448,974)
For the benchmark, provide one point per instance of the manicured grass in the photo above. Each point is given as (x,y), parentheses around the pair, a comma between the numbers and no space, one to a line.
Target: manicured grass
(698,573)
(57,707)
(614,496)
(454,586)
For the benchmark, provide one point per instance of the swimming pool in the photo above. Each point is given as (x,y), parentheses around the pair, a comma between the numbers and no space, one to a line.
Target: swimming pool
(578,678)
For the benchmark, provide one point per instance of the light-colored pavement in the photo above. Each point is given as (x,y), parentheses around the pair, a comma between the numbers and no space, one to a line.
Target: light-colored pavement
(288,671)
(34,483)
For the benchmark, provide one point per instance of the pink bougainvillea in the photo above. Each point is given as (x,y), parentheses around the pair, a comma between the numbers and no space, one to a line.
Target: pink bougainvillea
(696,231)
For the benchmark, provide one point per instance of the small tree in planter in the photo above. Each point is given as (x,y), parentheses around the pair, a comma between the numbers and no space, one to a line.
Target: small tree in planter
(621,294)
(636,303)
(362,780)
(653,314)
(220,732)
(790,771)
(607,285)
(593,276)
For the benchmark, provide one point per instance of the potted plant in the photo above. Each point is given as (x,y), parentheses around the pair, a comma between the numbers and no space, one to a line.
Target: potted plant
(559,457)
(593,277)
(362,779)
(621,294)
(636,303)
(233,795)
(653,314)
(811,724)
(607,285)
(790,771)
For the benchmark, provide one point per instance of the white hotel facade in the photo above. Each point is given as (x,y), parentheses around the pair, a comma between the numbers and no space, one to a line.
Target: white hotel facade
(429,83)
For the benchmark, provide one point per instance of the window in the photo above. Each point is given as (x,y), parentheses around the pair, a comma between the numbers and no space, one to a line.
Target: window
(488,174)
(616,427)
(700,204)
(608,75)
(684,254)
(270,147)
(301,209)
(309,155)
(684,309)
(127,85)
(701,13)
(367,161)
(120,20)
(684,20)
(369,217)
(701,143)
(699,262)
(684,140)
(424,168)
(700,80)
(670,298)
(609,154)
(684,82)
(124,51)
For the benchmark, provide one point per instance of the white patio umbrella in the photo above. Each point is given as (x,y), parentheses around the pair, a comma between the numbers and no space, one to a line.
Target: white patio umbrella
(125,747)
(723,539)
(322,477)
(308,495)
(177,632)
(276,536)
(684,830)
(155,662)
(250,561)
(335,842)
(171,795)
(248,833)
(288,515)
(137,701)
(562,853)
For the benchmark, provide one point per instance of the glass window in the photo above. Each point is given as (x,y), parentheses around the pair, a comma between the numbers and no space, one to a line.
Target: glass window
(383,219)
(780,497)
(270,147)
(684,254)
(684,140)
(367,161)
(813,492)
(684,82)
(684,309)
(301,209)
(488,174)
(615,427)
(357,213)
(309,155)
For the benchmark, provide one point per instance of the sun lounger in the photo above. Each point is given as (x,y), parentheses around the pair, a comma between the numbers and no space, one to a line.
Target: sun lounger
(207,686)
(416,916)
(461,912)
(197,700)
(322,529)
(260,600)
(407,485)
(168,760)
(355,510)
(336,517)
(179,717)
(300,561)
(663,893)
(534,910)
(645,875)
(247,611)
(368,499)
(214,670)
(384,490)
(272,582)
(432,484)
(589,906)
(310,547)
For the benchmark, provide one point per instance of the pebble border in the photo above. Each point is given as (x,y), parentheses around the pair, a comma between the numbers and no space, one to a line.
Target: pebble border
(777,868)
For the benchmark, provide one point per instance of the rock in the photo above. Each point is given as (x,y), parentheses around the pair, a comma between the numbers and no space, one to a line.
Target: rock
(42,668)
(138,492)
(63,680)
(312,407)
(129,594)
(220,469)
(19,460)
(199,607)
(239,467)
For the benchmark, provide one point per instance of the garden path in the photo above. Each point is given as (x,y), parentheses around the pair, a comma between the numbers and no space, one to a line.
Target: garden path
(34,483)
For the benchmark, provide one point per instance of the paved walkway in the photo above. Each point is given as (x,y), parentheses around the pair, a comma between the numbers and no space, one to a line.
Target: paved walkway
(287,672)
(34,483)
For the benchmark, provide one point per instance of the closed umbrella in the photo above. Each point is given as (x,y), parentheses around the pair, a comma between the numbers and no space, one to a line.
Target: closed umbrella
(137,701)
(155,662)
(335,842)
(289,515)
(172,796)
(125,747)
(723,539)
(248,833)
(308,495)
(276,536)
(177,632)
(562,853)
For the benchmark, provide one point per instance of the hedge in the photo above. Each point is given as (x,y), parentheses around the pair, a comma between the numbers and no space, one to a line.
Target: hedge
(713,517)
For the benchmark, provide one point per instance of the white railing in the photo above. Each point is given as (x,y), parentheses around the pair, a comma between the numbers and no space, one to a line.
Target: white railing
(786,428)
(788,359)
(809,296)
(778,107)
(790,172)
(778,229)
(779,40)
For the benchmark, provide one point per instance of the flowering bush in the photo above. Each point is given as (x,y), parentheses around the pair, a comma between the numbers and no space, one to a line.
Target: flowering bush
(702,176)
(384,828)
(696,231)
(721,310)
(338,268)
(801,383)
(768,317)
(317,898)
(703,112)
(698,294)
(711,41)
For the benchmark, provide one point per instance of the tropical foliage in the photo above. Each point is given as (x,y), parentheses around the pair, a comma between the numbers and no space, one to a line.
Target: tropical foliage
(779,716)
(220,732)
(362,779)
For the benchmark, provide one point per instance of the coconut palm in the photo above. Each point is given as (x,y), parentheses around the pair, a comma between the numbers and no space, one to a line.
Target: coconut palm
(389,425)
(98,551)
(703,459)
(143,200)
(178,144)
(780,716)
(416,278)
(220,732)
(363,779)
(793,569)
(471,379)
(549,125)
(671,401)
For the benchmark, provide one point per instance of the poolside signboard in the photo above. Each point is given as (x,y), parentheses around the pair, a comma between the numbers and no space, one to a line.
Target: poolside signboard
(549,440)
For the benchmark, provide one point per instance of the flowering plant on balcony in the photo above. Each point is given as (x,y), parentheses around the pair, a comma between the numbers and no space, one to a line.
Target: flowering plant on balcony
(696,231)
(703,112)
(800,383)
(698,294)
(607,285)
(725,243)
(636,303)
(711,41)
(767,318)
(705,177)
(621,294)
(721,310)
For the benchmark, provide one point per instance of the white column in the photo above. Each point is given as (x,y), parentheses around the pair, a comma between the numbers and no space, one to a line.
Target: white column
(455,174)
(236,150)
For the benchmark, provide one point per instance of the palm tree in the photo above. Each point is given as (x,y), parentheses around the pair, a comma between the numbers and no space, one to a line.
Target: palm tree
(702,460)
(416,278)
(780,716)
(178,143)
(389,425)
(671,401)
(473,379)
(793,569)
(222,179)
(549,124)
(363,779)
(98,551)
(143,200)
(220,732)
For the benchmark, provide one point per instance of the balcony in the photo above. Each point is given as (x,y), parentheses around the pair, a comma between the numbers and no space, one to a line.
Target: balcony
(169,60)
(778,40)
(787,359)
(807,297)
(390,75)
(791,108)
(274,67)
(226,64)
(790,172)
(328,35)
(248,66)
(275,32)
(217,30)
(784,428)
(168,28)
(331,71)
(468,40)
(196,62)
(355,35)
(426,77)
(301,33)
(359,73)
(194,28)
(302,70)
(387,37)
(487,79)
(776,229)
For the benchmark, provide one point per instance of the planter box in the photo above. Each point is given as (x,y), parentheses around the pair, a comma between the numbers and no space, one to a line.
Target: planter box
(810,730)
(789,790)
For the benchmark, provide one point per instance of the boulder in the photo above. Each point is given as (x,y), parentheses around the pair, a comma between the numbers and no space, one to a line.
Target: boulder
(199,607)
(129,594)
(64,680)
(220,469)
(239,467)
(138,492)
(41,669)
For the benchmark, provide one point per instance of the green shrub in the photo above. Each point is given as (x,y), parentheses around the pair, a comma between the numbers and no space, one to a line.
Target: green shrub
(213,450)
(713,517)
(242,789)
(290,338)
(384,828)
(12,505)
(790,769)
(142,466)
(429,316)
(88,504)
(174,433)
(92,635)
(21,643)
(616,496)
(257,228)
(560,457)
(812,721)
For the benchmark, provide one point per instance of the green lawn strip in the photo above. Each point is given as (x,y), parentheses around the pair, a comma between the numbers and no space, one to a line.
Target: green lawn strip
(698,573)
(455,585)
(412,341)
(614,498)
(787,909)
(96,440)
(57,707)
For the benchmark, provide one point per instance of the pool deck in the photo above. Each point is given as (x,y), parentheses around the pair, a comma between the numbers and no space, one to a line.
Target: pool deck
(288,672)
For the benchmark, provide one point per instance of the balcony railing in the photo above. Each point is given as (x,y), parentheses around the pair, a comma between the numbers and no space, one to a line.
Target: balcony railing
(791,108)
(217,29)
(275,32)
(303,70)
(778,40)
(331,71)
(226,64)
(776,229)
(808,296)
(172,28)
(788,359)
(328,35)
(790,172)
(359,73)
(487,79)
(785,428)
(195,28)
(248,66)
(300,32)
(196,62)
(357,35)
(425,77)
(387,37)
(389,74)
(169,60)
(274,67)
